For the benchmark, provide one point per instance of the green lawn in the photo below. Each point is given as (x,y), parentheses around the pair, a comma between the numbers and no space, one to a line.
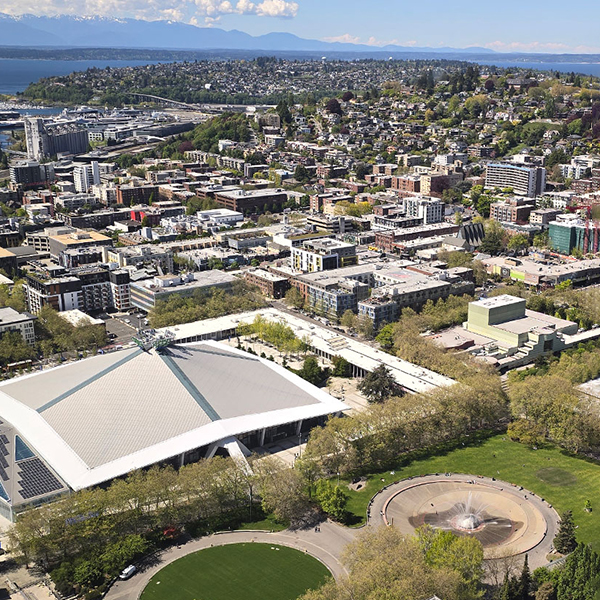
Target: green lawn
(238,572)
(563,480)
(269,523)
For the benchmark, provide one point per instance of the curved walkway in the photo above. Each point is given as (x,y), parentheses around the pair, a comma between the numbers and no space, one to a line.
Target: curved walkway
(326,545)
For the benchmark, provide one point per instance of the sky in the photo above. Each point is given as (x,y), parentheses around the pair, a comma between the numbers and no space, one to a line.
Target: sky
(509,26)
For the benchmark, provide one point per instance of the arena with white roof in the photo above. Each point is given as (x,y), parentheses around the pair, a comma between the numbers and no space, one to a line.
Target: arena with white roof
(85,423)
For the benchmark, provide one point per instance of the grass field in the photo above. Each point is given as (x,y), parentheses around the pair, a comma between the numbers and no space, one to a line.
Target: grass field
(563,480)
(238,572)
(269,523)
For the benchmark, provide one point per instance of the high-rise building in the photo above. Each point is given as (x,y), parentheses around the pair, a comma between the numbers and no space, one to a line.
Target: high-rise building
(44,141)
(38,143)
(85,176)
(525,181)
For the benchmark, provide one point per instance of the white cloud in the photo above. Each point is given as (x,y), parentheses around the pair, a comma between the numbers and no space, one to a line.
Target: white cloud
(373,41)
(188,11)
(276,8)
(346,38)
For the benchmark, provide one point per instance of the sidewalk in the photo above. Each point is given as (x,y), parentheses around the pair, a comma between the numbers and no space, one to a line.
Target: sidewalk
(325,545)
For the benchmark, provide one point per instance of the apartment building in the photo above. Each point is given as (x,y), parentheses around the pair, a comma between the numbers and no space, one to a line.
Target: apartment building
(12,320)
(429,210)
(85,176)
(270,284)
(515,210)
(322,255)
(524,181)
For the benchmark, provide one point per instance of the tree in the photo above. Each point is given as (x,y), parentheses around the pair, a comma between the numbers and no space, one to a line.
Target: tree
(518,242)
(379,385)
(145,222)
(364,325)
(341,367)
(311,371)
(565,541)
(283,111)
(493,241)
(281,490)
(489,84)
(361,170)
(347,96)
(301,173)
(13,348)
(332,499)
(461,554)
(294,298)
(546,591)
(525,582)
(348,319)
(383,563)
(333,106)
(385,337)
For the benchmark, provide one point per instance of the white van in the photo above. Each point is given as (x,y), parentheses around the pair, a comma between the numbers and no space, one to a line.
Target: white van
(127,572)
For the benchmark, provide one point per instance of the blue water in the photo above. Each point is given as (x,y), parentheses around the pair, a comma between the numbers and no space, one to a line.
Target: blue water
(584,68)
(17,74)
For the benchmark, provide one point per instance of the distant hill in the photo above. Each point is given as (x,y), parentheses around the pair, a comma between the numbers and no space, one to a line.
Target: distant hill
(101,32)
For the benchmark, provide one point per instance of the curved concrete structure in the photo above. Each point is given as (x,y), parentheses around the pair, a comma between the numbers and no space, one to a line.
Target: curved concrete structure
(505,518)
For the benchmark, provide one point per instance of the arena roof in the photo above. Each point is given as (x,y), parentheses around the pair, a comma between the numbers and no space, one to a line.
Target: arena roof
(99,418)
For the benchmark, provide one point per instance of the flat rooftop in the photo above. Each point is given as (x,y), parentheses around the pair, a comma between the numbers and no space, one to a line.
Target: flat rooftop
(411,377)
(497,301)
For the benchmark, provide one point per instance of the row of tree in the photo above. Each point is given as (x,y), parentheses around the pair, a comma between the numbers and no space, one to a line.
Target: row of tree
(377,438)
(87,537)
(205,304)
(577,579)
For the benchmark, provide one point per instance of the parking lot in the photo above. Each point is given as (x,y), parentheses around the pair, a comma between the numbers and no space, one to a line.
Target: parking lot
(123,326)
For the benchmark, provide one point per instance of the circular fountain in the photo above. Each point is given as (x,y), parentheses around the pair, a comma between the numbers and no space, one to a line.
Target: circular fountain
(468,522)
(501,516)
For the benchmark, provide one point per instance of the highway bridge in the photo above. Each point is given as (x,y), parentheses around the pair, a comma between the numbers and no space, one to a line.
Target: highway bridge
(205,108)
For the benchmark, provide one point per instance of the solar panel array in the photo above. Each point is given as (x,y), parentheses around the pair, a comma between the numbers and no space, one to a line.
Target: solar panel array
(36,479)
(3,454)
